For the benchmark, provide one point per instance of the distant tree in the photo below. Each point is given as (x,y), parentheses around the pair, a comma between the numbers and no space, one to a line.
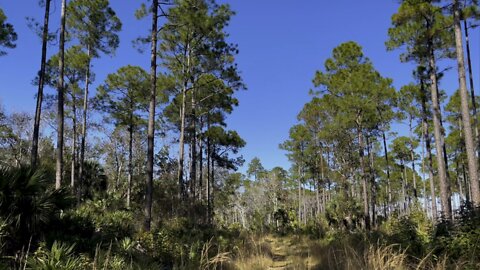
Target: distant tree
(8,36)
(124,97)
(255,168)
(95,25)
(425,32)
(358,93)
(195,52)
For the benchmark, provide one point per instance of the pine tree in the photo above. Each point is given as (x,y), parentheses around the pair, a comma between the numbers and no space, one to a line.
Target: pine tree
(41,82)
(95,25)
(466,122)
(124,97)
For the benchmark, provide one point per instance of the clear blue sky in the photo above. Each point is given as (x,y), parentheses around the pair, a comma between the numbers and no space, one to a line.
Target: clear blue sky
(282,43)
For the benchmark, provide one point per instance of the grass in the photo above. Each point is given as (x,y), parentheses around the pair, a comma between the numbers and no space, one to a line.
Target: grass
(298,253)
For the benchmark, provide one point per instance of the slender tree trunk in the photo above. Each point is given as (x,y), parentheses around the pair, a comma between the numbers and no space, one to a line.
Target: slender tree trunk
(41,81)
(186,73)
(212,185)
(299,194)
(316,186)
(366,208)
(209,158)
(426,134)
(466,181)
(425,201)
(74,143)
(404,184)
(459,181)
(84,129)
(389,190)
(472,89)
(412,157)
(439,142)
(181,151)
(467,128)
(193,145)
(130,161)
(151,119)
(322,179)
(373,188)
(61,90)
(200,163)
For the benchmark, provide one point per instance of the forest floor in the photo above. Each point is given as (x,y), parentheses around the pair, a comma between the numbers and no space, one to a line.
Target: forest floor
(290,253)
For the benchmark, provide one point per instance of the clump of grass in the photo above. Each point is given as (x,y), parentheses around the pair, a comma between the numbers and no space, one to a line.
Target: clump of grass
(254,254)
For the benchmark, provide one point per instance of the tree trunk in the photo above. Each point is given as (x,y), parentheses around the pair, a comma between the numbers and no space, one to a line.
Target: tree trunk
(299,194)
(200,162)
(181,151)
(366,210)
(472,89)
(404,184)
(130,161)
(84,129)
(41,81)
(209,158)
(61,90)
(74,143)
(193,145)
(389,191)
(373,187)
(439,142)
(467,128)
(151,119)
(212,186)
(428,149)
(412,157)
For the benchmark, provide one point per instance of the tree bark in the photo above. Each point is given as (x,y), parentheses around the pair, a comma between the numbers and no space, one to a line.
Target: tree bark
(193,145)
(426,134)
(130,161)
(61,90)
(151,119)
(439,141)
(389,190)
(467,128)
(366,208)
(373,187)
(84,129)
(412,157)
(181,151)
(41,81)
(472,89)
(74,143)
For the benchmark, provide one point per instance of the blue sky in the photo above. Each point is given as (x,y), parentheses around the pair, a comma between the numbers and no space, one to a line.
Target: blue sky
(282,43)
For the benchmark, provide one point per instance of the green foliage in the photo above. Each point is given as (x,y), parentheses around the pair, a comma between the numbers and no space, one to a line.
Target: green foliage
(460,240)
(343,212)
(95,25)
(8,36)
(124,96)
(59,257)
(411,232)
(29,203)
(110,225)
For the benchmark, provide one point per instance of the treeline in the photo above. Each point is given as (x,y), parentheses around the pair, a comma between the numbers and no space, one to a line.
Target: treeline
(345,149)
(184,98)
(151,144)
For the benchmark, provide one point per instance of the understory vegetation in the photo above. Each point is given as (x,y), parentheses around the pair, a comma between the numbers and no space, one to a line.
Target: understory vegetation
(43,228)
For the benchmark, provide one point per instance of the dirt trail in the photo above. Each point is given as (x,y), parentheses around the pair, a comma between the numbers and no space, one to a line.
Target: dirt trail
(289,254)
